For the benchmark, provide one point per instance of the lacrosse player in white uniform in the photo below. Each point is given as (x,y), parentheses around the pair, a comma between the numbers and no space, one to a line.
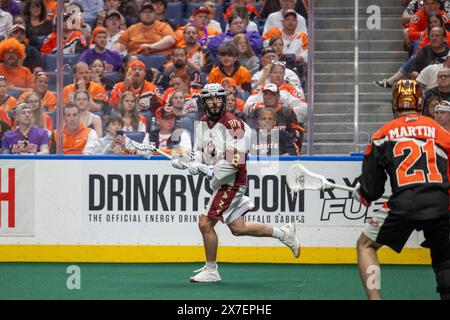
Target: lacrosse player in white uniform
(221,145)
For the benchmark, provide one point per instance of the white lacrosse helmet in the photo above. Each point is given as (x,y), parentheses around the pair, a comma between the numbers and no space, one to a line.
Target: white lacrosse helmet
(213,90)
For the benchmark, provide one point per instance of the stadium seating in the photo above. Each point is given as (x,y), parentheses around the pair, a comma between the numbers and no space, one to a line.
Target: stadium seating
(50,61)
(67,79)
(114,76)
(153,60)
(174,12)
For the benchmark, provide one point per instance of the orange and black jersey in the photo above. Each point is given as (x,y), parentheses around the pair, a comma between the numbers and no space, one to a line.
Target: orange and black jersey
(413,151)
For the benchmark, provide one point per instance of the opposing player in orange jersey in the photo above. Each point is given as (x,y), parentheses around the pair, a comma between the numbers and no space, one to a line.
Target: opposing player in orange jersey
(413,151)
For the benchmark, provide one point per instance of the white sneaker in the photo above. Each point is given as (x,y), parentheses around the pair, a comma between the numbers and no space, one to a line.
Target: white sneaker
(290,240)
(206,275)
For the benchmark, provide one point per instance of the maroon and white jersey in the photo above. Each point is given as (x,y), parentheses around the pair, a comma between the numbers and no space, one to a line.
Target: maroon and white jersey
(223,145)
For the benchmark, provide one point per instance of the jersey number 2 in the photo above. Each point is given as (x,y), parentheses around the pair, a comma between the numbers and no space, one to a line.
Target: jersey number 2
(416,152)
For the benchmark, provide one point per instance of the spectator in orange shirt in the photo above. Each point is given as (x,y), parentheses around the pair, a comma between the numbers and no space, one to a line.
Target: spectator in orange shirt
(150,36)
(40,119)
(418,24)
(230,87)
(48,98)
(77,138)
(11,52)
(230,67)
(82,81)
(147,95)
(7,102)
(182,81)
(200,18)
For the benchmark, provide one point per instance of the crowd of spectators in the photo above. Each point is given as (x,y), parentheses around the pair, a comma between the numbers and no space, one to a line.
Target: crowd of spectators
(136,68)
(426,26)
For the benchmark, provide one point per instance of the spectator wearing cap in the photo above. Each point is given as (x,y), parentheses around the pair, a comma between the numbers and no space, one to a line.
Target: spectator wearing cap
(11,53)
(74,40)
(111,59)
(37,24)
(109,6)
(286,118)
(291,97)
(7,102)
(82,81)
(262,77)
(91,8)
(113,23)
(48,98)
(427,78)
(10,6)
(27,138)
(268,140)
(32,55)
(200,18)
(295,42)
(148,96)
(229,67)
(77,138)
(236,26)
(150,36)
(442,114)
(276,19)
(166,137)
(6,22)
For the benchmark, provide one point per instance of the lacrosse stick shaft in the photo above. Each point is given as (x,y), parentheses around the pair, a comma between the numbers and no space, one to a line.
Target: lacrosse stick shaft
(347,188)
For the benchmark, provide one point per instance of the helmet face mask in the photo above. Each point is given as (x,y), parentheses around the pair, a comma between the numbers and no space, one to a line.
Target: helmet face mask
(213,98)
(407,96)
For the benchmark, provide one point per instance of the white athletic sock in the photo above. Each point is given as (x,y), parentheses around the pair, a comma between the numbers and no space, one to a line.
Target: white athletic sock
(277,233)
(211,265)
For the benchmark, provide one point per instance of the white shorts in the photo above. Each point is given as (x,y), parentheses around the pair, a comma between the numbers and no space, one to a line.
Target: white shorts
(374,225)
(227,204)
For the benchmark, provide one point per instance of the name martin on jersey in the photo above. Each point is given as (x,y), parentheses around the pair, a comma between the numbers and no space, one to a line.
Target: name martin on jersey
(412,131)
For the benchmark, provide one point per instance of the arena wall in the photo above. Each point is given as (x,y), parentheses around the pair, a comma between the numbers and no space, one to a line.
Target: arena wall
(113,209)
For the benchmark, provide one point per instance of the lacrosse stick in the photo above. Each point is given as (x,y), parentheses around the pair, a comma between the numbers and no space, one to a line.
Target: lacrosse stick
(147,150)
(299,178)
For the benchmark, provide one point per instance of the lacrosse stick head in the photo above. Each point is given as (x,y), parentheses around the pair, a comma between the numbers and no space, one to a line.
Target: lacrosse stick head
(139,148)
(299,178)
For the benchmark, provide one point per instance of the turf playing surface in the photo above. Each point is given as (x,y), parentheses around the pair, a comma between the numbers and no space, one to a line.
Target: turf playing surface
(239,282)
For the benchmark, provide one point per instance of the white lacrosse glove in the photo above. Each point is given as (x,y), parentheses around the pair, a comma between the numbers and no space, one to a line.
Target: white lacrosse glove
(195,168)
(357,195)
(178,164)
